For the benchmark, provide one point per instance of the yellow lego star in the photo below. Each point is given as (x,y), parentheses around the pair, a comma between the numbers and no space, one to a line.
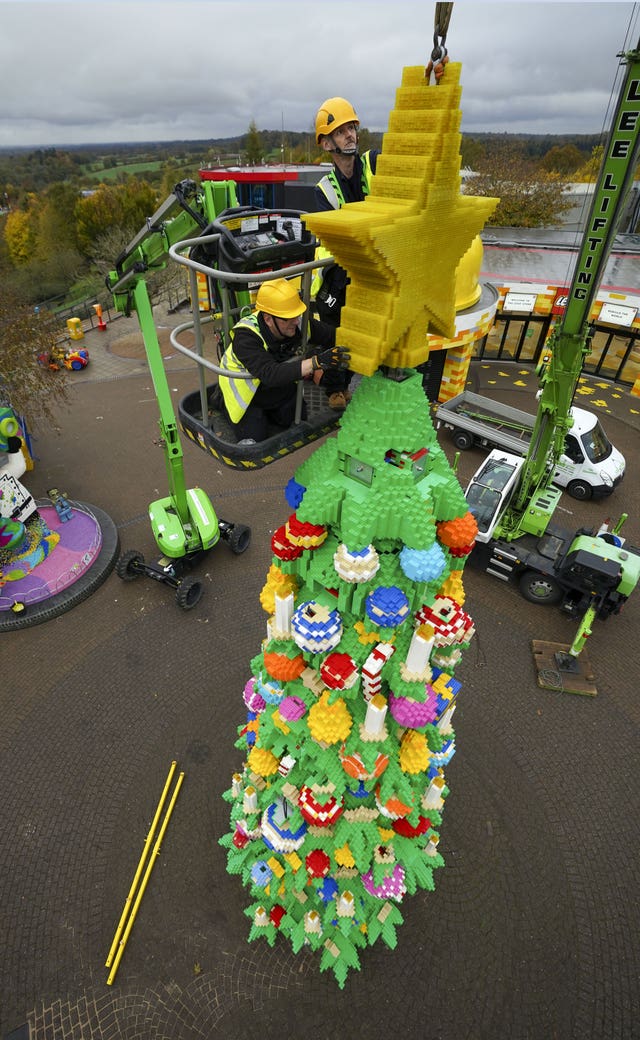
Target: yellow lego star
(402,245)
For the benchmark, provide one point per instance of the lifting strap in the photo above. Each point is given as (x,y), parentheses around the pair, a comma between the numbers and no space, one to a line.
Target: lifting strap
(439,57)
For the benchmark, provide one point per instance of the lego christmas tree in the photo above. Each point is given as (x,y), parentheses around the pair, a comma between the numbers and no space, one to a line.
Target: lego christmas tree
(335,815)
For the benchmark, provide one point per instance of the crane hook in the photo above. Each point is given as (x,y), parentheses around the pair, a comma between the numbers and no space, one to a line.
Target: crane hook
(439,54)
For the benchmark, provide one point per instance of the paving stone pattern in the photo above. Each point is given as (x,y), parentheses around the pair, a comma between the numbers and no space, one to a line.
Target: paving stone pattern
(532,932)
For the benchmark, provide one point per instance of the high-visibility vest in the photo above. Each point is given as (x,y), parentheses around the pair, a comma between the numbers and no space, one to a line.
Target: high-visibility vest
(330,185)
(238,393)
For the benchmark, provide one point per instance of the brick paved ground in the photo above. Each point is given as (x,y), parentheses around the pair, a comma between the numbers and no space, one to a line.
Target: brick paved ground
(532,931)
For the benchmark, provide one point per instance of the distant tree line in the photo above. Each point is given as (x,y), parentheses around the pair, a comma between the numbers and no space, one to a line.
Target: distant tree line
(67,213)
(33,170)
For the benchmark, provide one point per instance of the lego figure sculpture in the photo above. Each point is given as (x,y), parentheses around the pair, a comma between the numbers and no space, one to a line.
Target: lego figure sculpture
(25,539)
(335,815)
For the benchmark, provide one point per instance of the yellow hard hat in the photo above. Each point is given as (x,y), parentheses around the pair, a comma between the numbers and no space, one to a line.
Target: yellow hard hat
(279,298)
(333,113)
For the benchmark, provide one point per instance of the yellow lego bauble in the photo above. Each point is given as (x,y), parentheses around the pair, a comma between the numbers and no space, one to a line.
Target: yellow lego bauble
(262,762)
(276,582)
(329,723)
(414,753)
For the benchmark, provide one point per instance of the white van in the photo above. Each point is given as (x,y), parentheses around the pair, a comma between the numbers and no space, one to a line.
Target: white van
(590,465)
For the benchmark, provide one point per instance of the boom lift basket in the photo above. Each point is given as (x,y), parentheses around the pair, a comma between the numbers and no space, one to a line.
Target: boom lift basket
(256,243)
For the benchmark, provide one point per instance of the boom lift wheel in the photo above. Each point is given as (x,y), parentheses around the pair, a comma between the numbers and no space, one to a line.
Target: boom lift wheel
(188,593)
(130,565)
(239,538)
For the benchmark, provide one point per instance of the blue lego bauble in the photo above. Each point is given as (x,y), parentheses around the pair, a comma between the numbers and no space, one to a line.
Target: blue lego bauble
(387,607)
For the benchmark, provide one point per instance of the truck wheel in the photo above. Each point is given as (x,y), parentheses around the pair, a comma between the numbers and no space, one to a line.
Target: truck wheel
(463,440)
(540,588)
(130,565)
(239,538)
(188,593)
(579,489)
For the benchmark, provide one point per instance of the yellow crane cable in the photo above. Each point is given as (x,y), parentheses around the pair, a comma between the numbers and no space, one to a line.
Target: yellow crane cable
(147,875)
(139,868)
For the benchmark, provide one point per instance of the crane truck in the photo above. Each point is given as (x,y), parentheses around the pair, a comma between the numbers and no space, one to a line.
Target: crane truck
(588,573)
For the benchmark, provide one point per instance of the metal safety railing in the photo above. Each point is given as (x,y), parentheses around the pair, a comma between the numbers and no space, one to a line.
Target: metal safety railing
(229,314)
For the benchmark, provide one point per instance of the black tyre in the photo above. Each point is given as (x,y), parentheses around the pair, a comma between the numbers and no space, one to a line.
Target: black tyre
(188,593)
(463,440)
(239,538)
(129,565)
(579,489)
(540,588)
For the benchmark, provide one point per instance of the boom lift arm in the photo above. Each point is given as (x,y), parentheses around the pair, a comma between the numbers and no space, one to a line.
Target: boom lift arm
(184,523)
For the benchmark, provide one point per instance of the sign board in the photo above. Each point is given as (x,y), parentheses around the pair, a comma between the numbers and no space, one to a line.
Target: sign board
(518,301)
(560,302)
(616,314)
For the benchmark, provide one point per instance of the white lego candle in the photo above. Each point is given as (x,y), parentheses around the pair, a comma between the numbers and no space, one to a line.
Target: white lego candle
(312,922)
(432,798)
(284,611)
(346,905)
(432,846)
(444,725)
(376,712)
(420,649)
(250,801)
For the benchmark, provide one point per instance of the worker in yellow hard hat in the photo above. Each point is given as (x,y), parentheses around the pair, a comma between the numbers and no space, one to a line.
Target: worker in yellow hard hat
(349,180)
(337,127)
(263,345)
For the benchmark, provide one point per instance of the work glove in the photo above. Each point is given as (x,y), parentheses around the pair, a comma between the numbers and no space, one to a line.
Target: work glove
(333,357)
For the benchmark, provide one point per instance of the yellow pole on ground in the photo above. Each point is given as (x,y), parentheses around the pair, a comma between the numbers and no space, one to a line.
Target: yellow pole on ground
(143,885)
(136,877)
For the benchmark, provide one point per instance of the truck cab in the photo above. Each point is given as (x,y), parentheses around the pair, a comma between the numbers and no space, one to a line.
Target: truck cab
(490,488)
(590,465)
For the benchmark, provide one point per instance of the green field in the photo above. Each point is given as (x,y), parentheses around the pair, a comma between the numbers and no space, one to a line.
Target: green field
(114,172)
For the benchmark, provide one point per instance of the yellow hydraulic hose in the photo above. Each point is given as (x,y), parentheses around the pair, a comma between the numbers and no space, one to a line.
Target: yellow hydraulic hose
(139,869)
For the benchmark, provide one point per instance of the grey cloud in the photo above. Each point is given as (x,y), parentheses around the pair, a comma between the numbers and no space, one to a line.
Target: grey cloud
(100,71)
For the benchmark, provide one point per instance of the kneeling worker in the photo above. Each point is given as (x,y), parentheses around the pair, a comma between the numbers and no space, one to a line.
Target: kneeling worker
(264,344)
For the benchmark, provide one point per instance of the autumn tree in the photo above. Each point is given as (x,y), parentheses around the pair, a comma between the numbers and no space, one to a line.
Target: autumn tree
(25,385)
(125,206)
(563,159)
(472,152)
(253,149)
(588,172)
(529,196)
(21,232)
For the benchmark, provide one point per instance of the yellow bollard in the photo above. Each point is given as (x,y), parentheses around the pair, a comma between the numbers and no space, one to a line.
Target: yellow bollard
(147,875)
(140,866)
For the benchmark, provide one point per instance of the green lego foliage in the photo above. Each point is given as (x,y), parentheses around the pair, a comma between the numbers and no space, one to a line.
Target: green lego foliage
(347,837)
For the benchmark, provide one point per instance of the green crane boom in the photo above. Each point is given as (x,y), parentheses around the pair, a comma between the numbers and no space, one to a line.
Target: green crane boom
(535,498)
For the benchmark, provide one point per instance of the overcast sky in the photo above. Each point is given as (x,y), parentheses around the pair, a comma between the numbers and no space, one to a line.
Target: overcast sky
(105,71)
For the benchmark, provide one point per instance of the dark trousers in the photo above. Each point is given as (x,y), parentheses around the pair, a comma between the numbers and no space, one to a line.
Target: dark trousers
(258,423)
